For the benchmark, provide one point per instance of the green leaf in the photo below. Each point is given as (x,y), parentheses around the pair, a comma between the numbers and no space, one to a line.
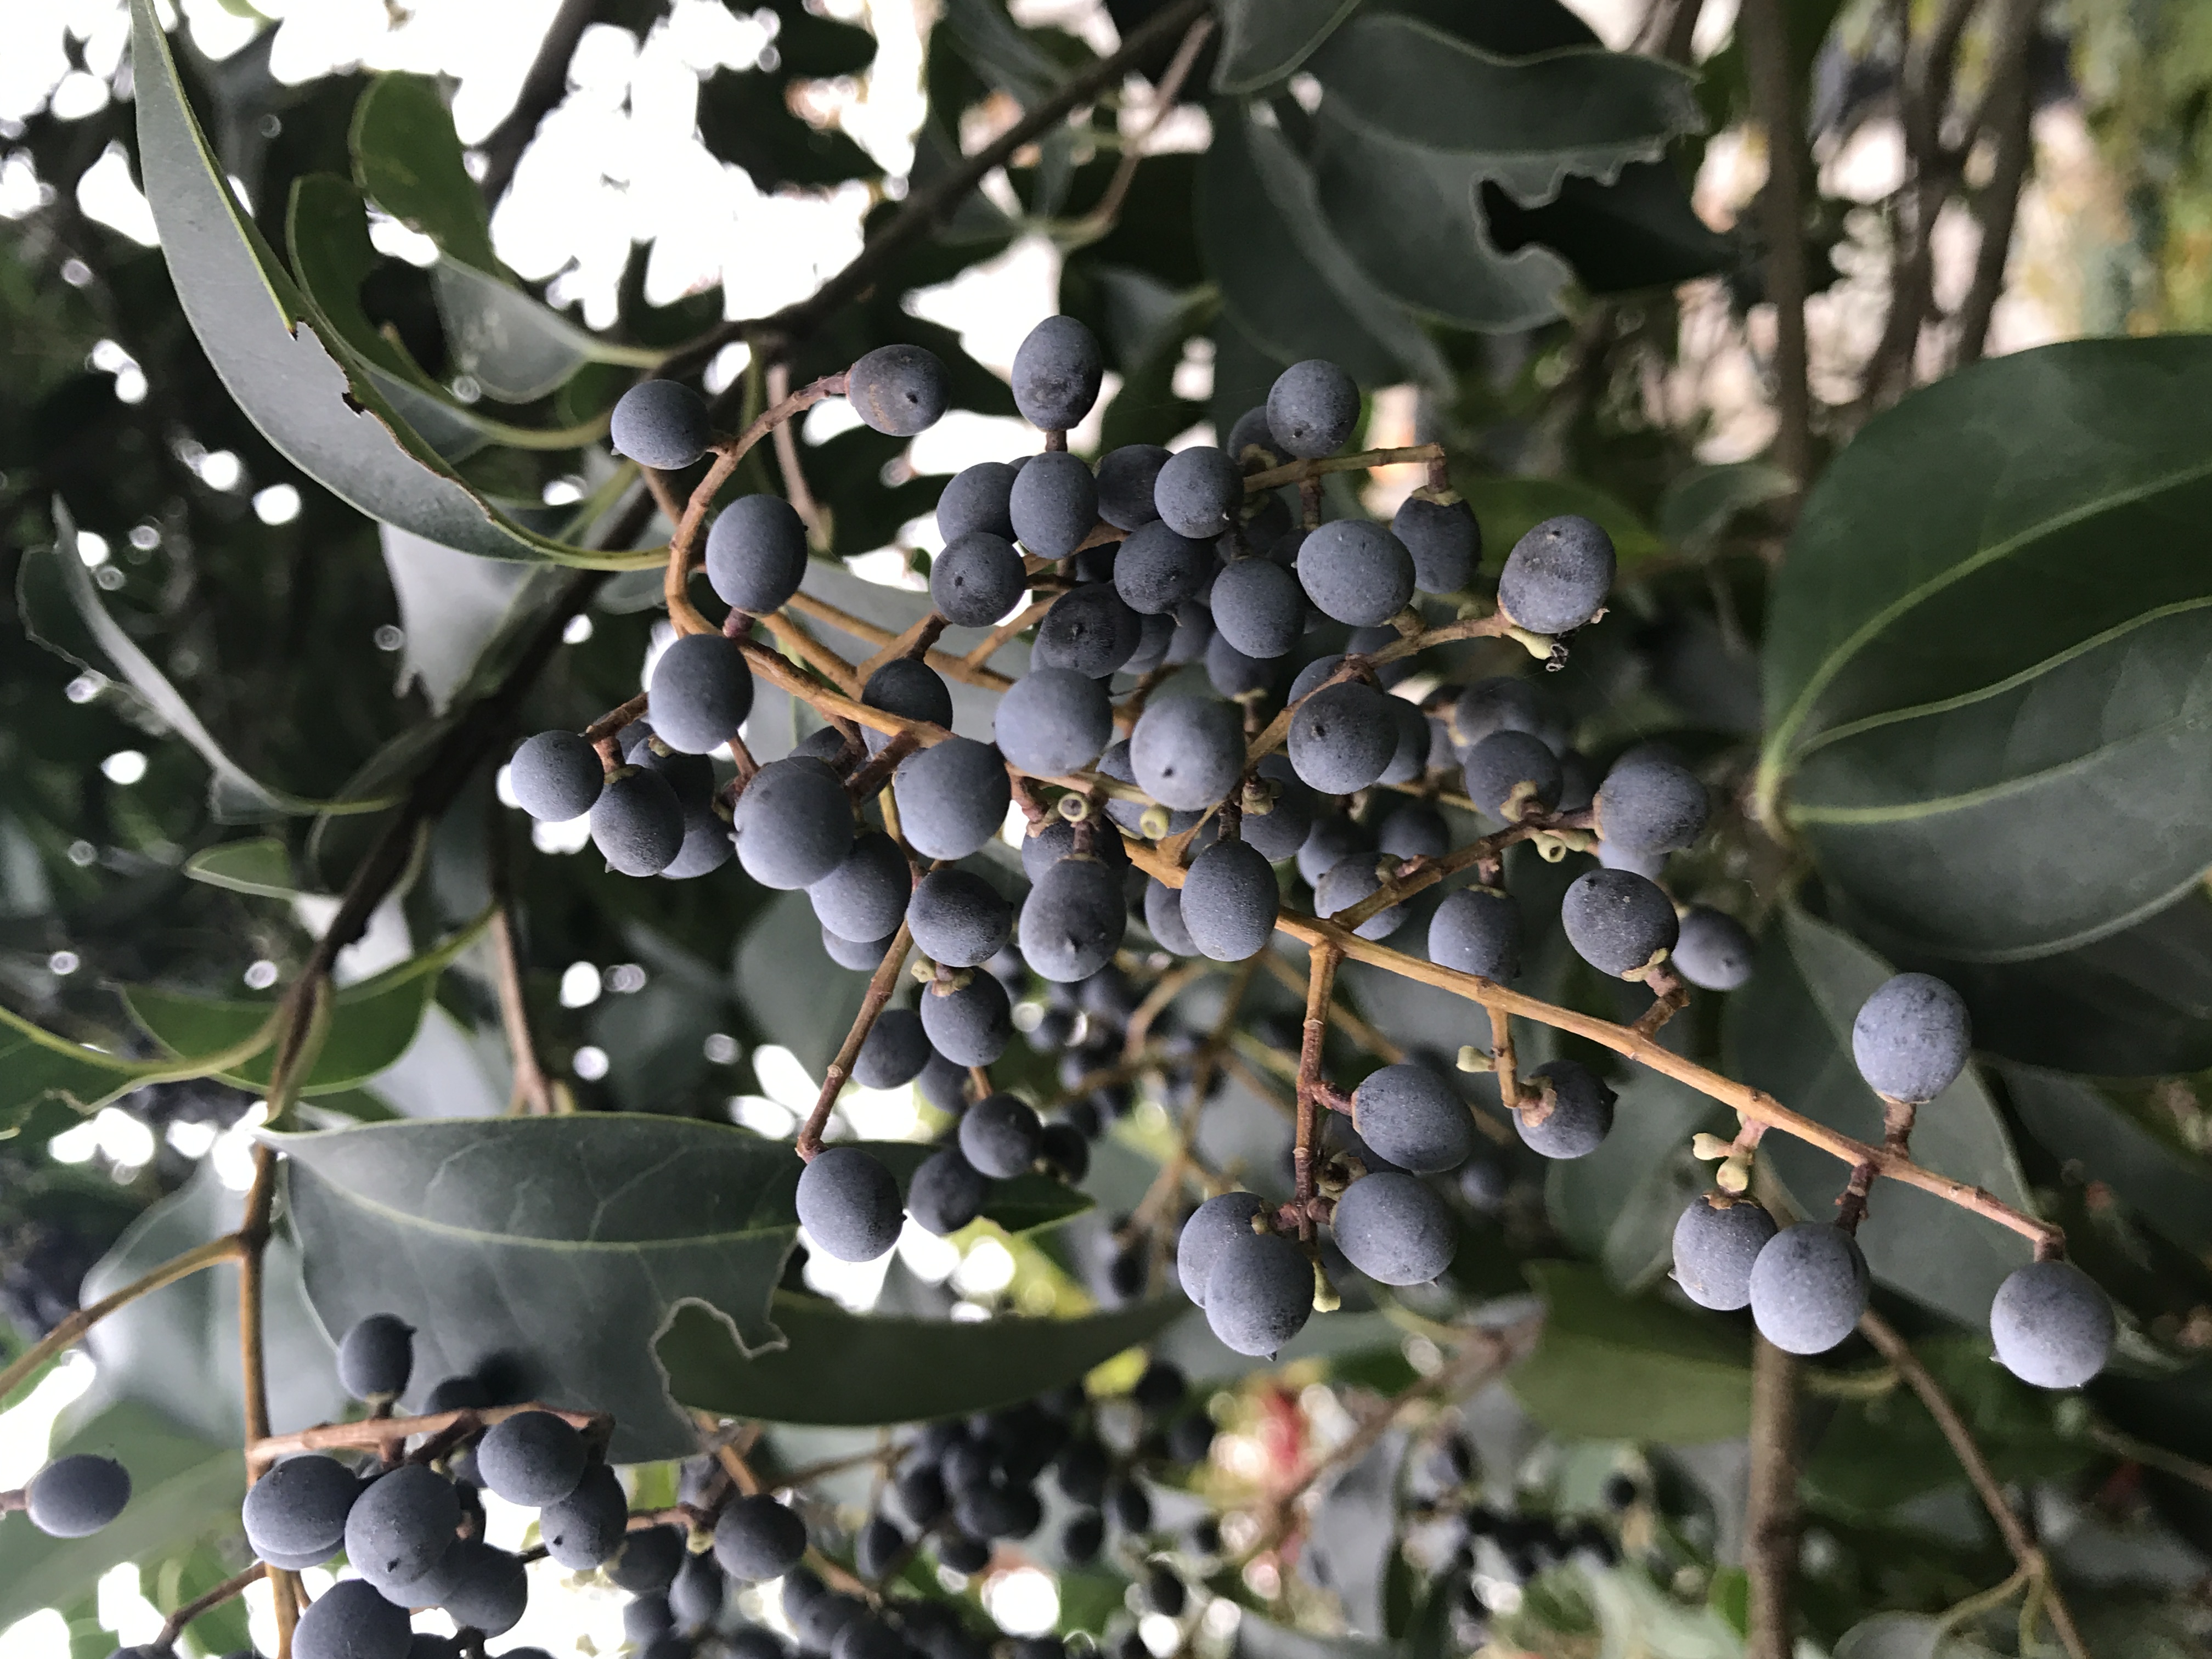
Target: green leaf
(296,379)
(184,1579)
(1523,125)
(2077,1122)
(327,231)
(1146,410)
(180,1487)
(261,866)
(1788,1031)
(516,346)
(1637,231)
(1876,1454)
(39,1065)
(841,1369)
(452,607)
(177,1351)
(1264,41)
(1992,633)
(407,158)
(371,1023)
(1700,504)
(1286,277)
(1508,509)
(1619,1206)
(1902,1636)
(1611,1367)
(63,611)
(788,987)
(559,1247)
(2137,1003)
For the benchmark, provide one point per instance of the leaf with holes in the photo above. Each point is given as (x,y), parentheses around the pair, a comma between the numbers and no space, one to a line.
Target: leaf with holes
(303,387)
(840,1368)
(1994,632)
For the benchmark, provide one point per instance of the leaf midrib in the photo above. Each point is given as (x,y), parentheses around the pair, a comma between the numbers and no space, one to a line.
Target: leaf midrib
(1785,730)
(522,1241)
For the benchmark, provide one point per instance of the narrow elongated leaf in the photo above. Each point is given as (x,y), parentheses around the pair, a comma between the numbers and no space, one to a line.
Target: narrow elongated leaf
(451,607)
(371,1023)
(1789,1032)
(181,1486)
(40,1065)
(1286,276)
(1523,125)
(517,347)
(1610,1367)
(1264,41)
(407,156)
(303,387)
(177,1351)
(1992,631)
(63,611)
(844,1369)
(261,866)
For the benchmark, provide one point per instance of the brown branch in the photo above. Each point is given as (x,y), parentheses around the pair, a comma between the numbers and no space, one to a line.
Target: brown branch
(533,1089)
(1365,1036)
(70,1330)
(952,667)
(786,464)
(372,1433)
(1764,28)
(922,211)
(915,641)
(1298,472)
(881,984)
(1096,222)
(173,1625)
(1013,627)
(1321,980)
(796,642)
(1898,1352)
(2011,111)
(1169,1181)
(542,88)
(1770,1544)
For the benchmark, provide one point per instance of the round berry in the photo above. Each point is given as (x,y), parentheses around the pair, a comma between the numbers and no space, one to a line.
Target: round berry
(1809,1287)
(1511,775)
(350,1620)
(849,1205)
(1716,1242)
(483,1588)
(1312,409)
(969,1024)
(1912,1038)
(1230,901)
(584,1530)
(1158,568)
(1575,1106)
(1090,629)
(400,1527)
(661,423)
(757,1538)
(1258,608)
(1057,371)
(893,1053)
(756,554)
(376,1356)
(556,776)
(794,824)
(1412,1118)
(701,692)
(1163,920)
(959,918)
(1199,492)
(1444,540)
(1393,1229)
(1258,1293)
(1053,721)
(946,1194)
(1053,504)
(637,822)
(1618,921)
(1000,1135)
(1349,881)
(1073,920)
(300,1507)
(75,1496)
(1556,576)
(951,798)
(1356,571)
(1713,952)
(1650,806)
(1126,478)
(899,390)
(976,579)
(1187,752)
(976,499)
(1342,737)
(866,894)
(2052,1326)
(1477,930)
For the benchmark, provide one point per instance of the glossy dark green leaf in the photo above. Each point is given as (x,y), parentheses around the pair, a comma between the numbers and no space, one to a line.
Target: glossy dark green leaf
(2167,1185)
(1524,126)
(407,158)
(305,389)
(786,983)
(1263,40)
(184,1579)
(1146,410)
(2137,1003)
(1619,1206)
(1284,274)
(1409,215)
(40,1065)
(181,1486)
(371,1023)
(1788,1031)
(176,1351)
(1992,633)
(1635,232)
(1611,1367)
(840,1368)
(555,1249)
(261,866)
